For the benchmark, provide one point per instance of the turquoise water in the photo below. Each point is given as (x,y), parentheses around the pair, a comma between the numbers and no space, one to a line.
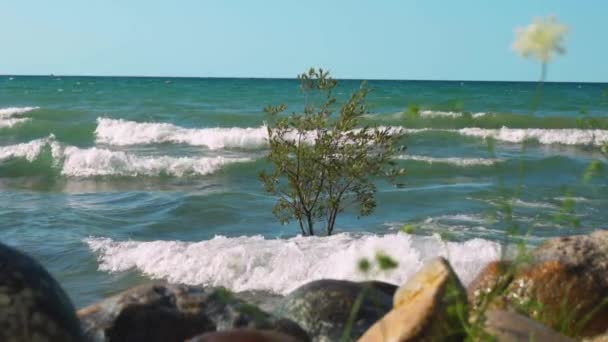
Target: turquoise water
(110,182)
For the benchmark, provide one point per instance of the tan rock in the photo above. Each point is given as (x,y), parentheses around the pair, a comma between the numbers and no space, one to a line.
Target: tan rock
(428,307)
(511,327)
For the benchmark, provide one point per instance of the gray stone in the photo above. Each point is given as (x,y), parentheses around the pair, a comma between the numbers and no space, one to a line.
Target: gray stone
(323,308)
(511,327)
(33,307)
(264,300)
(167,312)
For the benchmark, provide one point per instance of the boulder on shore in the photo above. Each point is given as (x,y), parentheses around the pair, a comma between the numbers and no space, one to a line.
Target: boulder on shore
(324,307)
(430,306)
(565,286)
(33,307)
(167,312)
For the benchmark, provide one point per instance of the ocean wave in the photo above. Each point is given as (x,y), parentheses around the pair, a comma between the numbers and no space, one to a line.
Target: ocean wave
(452,160)
(563,136)
(281,265)
(29,151)
(448,114)
(460,218)
(77,162)
(10,122)
(7,119)
(122,132)
(12,111)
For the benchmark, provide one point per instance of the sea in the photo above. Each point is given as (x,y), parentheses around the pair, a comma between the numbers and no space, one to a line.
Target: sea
(111,182)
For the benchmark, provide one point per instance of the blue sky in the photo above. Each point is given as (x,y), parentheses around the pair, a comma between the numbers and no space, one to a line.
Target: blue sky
(382,39)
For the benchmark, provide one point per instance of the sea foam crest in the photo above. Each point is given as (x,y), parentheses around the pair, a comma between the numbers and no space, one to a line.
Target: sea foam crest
(564,136)
(12,111)
(78,162)
(102,162)
(447,114)
(281,265)
(7,118)
(463,162)
(123,132)
(29,151)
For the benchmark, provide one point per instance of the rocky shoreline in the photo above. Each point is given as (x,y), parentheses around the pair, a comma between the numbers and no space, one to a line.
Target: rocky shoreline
(558,293)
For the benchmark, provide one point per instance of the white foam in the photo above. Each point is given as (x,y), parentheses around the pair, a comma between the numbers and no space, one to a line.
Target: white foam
(77,162)
(575,199)
(452,160)
(526,204)
(29,151)
(102,162)
(281,265)
(459,217)
(122,132)
(12,111)
(7,118)
(10,122)
(448,114)
(565,136)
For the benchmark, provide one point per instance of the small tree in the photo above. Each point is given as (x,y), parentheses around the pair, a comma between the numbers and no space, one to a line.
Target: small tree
(322,160)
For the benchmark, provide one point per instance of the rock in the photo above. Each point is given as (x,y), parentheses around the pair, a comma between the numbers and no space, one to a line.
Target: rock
(597,338)
(33,307)
(565,286)
(494,274)
(166,312)
(511,327)
(431,306)
(262,299)
(387,288)
(323,308)
(244,335)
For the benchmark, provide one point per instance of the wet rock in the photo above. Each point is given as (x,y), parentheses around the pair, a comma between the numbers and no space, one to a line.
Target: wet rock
(511,327)
(387,288)
(431,306)
(244,335)
(323,308)
(264,300)
(166,312)
(565,286)
(33,307)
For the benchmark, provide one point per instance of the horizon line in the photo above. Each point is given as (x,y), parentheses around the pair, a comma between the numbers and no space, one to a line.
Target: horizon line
(295,78)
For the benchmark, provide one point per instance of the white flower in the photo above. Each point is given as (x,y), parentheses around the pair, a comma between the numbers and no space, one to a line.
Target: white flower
(542,39)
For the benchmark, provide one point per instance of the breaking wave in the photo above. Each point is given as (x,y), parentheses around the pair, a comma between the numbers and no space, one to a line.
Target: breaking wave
(563,136)
(72,161)
(7,116)
(281,265)
(122,132)
(464,162)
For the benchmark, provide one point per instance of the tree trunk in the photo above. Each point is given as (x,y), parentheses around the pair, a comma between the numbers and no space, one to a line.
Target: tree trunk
(331,221)
(311,223)
(301,223)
